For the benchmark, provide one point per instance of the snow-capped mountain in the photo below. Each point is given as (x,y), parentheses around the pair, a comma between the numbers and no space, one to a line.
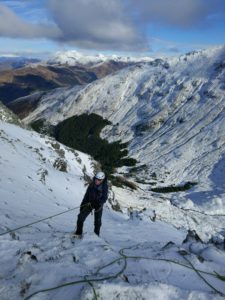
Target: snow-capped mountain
(171,112)
(138,255)
(74,57)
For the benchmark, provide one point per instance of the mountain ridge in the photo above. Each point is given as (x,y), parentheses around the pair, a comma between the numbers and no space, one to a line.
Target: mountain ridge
(170,111)
(73,57)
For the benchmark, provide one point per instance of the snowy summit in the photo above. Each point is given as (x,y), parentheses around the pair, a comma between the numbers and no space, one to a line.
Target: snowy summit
(73,57)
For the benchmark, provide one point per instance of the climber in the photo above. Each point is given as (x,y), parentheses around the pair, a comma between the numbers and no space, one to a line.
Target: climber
(94,198)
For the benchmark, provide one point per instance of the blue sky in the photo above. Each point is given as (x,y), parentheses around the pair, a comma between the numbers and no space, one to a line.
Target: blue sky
(143,27)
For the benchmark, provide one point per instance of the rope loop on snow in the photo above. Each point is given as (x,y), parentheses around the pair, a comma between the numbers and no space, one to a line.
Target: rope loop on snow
(124,258)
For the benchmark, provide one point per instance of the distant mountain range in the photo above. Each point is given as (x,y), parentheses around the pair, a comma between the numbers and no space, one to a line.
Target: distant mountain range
(15,62)
(73,58)
(20,77)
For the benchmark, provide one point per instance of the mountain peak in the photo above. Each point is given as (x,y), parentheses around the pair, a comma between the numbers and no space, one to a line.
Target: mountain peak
(73,57)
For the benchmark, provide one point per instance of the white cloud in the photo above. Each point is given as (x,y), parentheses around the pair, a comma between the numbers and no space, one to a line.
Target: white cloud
(13,26)
(119,25)
(96,23)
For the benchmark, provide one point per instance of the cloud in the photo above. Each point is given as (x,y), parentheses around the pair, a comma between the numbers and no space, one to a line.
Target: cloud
(96,24)
(29,53)
(120,25)
(13,26)
(178,13)
(90,24)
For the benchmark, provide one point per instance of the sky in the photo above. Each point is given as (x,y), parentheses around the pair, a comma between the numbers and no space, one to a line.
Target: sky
(129,27)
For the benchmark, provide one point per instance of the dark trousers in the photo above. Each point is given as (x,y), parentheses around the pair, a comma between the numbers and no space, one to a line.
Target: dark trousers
(83,215)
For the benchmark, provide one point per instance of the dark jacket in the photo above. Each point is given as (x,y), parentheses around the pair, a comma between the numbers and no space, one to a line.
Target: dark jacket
(96,194)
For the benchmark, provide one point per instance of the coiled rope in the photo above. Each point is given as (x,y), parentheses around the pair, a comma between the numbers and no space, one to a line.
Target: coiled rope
(124,258)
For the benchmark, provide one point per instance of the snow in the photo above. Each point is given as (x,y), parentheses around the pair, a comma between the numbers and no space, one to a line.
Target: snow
(147,249)
(171,112)
(42,256)
(153,291)
(7,116)
(74,57)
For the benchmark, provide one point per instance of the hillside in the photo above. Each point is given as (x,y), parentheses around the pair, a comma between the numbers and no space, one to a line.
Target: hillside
(137,254)
(7,115)
(171,113)
(32,78)
(20,77)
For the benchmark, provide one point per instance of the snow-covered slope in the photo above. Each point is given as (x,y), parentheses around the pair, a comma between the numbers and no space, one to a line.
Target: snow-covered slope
(172,114)
(41,178)
(74,57)
(7,115)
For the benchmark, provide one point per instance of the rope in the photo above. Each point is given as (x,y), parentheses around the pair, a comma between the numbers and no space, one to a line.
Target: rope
(93,288)
(200,275)
(122,257)
(85,280)
(41,220)
(125,257)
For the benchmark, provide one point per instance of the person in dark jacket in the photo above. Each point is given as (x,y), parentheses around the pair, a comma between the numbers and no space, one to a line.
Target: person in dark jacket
(94,198)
